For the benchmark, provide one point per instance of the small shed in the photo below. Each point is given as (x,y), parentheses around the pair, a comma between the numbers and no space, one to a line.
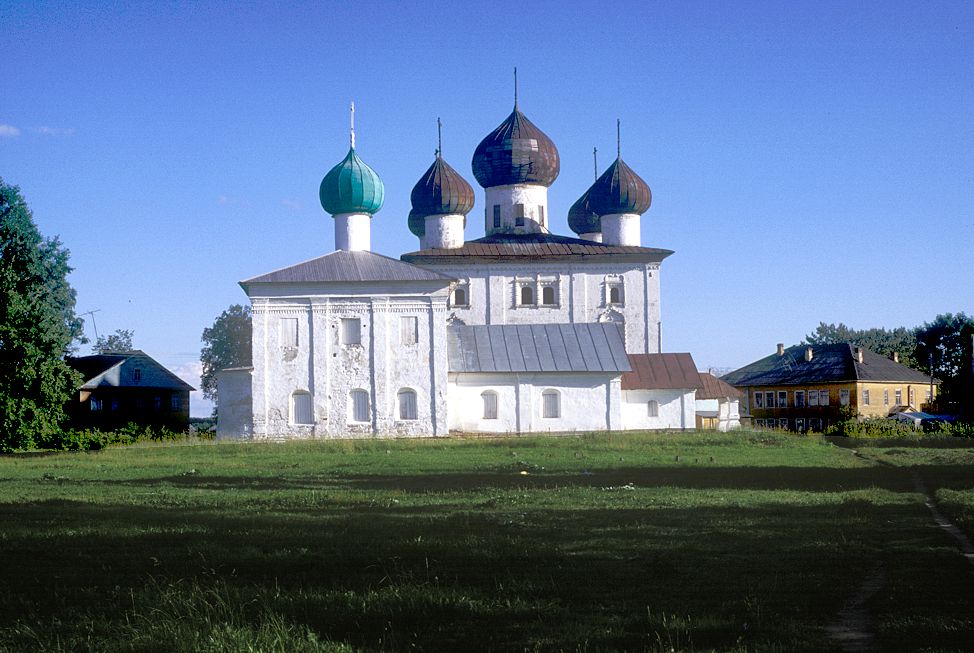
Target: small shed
(718,404)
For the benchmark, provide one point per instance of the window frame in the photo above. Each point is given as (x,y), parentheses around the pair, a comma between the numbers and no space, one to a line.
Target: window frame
(408,330)
(652,408)
(407,403)
(799,398)
(345,324)
(489,402)
(301,408)
(550,404)
(354,405)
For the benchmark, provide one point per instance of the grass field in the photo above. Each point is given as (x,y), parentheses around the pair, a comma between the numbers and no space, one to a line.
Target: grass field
(665,542)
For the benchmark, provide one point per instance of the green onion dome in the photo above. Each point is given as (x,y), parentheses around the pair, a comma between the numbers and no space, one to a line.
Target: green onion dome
(351,187)
(582,219)
(517,152)
(619,190)
(442,191)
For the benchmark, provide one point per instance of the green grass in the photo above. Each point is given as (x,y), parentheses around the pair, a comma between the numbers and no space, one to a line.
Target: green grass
(658,542)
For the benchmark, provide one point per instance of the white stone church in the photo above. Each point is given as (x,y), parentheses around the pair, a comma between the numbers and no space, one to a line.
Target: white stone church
(518,331)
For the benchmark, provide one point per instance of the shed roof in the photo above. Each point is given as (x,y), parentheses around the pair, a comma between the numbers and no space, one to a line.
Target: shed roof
(661,372)
(714,388)
(829,364)
(106,370)
(349,266)
(504,246)
(537,348)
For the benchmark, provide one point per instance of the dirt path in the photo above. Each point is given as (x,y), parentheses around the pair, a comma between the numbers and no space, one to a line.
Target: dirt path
(852,629)
(964,542)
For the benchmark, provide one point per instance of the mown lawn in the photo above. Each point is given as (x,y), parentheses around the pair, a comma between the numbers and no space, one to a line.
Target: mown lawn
(635,542)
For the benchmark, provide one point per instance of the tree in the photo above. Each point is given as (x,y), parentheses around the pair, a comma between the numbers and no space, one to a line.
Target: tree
(37,327)
(225,344)
(884,342)
(947,342)
(119,342)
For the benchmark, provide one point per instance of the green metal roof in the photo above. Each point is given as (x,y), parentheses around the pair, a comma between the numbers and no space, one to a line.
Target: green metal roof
(351,187)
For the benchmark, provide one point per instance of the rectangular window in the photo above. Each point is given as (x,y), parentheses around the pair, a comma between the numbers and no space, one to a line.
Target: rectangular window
(782,399)
(95,404)
(844,397)
(769,400)
(911,396)
(815,424)
(799,398)
(490,405)
(137,374)
(176,403)
(865,397)
(497,216)
(759,400)
(541,215)
(823,398)
(926,396)
(783,423)
(899,397)
(408,330)
(351,331)
(550,401)
(759,423)
(548,296)
(289,332)
(800,425)
(886,397)
(813,397)
(518,215)
(407,404)
(114,404)
(157,402)
(360,406)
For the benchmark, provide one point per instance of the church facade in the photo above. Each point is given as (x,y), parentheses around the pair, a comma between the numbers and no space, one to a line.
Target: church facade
(518,331)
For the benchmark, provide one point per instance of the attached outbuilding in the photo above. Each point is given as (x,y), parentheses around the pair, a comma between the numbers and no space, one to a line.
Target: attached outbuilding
(659,392)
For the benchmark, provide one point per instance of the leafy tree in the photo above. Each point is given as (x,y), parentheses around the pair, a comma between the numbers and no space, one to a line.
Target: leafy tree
(118,342)
(225,344)
(37,327)
(882,341)
(947,343)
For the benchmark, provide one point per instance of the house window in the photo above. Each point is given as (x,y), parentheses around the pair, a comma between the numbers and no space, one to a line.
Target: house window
(800,425)
(652,408)
(769,400)
(886,397)
(351,331)
(408,330)
(844,397)
(301,412)
(176,403)
(114,404)
(926,396)
(823,398)
(815,424)
(783,423)
(527,295)
(615,293)
(157,403)
(518,215)
(497,216)
(865,397)
(548,296)
(782,399)
(799,398)
(550,404)
(759,423)
(489,398)
(137,374)
(407,403)
(95,404)
(813,397)
(911,396)
(899,397)
(359,404)
(460,297)
(289,332)
(759,400)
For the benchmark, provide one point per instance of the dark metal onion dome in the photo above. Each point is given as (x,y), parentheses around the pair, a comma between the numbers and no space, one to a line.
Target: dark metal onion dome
(417,223)
(619,190)
(517,152)
(582,219)
(441,191)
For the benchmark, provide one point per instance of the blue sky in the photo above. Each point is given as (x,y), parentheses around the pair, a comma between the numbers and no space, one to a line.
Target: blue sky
(809,161)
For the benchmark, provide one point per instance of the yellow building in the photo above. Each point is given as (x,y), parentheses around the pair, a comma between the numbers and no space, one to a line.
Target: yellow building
(806,388)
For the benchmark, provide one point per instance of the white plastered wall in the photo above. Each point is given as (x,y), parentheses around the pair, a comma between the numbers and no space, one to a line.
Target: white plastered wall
(677,409)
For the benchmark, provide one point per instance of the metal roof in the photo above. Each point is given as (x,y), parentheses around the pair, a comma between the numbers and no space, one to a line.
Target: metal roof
(661,372)
(537,348)
(440,191)
(714,388)
(549,246)
(619,190)
(106,370)
(829,364)
(349,266)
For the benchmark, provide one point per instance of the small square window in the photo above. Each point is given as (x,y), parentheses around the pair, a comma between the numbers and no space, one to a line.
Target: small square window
(526,296)
(351,331)
(548,296)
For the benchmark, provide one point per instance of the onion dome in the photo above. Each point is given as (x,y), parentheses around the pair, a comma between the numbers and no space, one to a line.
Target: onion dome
(619,190)
(417,223)
(582,219)
(517,152)
(351,187)
(441,191)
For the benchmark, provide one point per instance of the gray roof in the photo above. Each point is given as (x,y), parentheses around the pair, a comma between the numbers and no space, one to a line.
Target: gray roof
(116,370)
(349,266)
(506,247)
(537,348)
(830,364)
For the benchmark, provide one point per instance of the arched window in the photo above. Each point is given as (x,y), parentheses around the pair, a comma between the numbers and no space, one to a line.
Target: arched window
(550,404)
(460,297)
(301,412)
(407,403)
(548,295)
(527,295)
(489,398)
(615,296)
(652,408)
(358,401)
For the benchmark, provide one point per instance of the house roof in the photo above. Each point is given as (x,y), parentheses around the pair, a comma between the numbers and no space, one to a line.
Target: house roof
(505,246)
(714,388)
(537,348)
(114,370)
(830,364)
(349,266)
(661,372)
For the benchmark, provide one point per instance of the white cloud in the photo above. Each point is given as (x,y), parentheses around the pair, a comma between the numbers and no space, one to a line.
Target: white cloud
(294,205)
(9,130)
(54,131)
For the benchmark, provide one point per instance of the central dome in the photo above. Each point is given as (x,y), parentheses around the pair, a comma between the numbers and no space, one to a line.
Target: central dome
(517,152)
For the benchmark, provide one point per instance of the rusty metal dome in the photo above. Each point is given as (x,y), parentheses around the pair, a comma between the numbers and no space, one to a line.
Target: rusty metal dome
(581,218)
(441,191)
(517,152)
(619,190)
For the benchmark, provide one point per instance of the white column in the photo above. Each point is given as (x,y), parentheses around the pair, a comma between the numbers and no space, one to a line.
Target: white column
(621,229)
(444,231)
(532,197)
(353,232)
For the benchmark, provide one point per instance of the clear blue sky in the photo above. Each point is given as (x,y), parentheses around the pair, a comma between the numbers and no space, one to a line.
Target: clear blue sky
(809,161)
